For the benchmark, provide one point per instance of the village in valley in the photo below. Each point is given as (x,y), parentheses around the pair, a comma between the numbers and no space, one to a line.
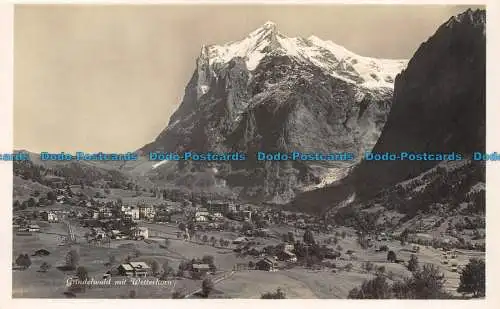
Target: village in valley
(287,167)
(203,246)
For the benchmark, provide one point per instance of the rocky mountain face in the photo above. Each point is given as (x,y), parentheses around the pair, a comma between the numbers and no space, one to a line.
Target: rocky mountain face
(439,106)
(272,93)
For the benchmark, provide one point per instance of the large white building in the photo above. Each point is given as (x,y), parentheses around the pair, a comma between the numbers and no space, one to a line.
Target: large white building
(146,212)
(131,211)
(52,217)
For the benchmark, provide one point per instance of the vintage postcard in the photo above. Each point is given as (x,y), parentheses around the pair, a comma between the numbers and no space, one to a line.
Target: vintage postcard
(250,151)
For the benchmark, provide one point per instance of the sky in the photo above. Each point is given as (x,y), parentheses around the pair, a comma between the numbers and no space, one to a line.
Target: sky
(107,78)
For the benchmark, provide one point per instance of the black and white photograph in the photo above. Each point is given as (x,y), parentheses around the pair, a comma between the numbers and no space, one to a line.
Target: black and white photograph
(251,151)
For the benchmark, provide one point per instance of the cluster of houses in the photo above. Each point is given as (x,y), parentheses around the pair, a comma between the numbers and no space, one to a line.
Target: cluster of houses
(218,210)
(286,254)
(271,262)
(24,225)
(51,216)
(143,269)
(136,233)
(267,264)
(212,214)
(134,269)
(64,195)
(273,215)
(23,221)
(141,211)
(210,211)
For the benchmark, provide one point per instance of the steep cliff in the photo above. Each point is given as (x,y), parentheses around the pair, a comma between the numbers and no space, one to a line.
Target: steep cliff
(439,106)
(272,93)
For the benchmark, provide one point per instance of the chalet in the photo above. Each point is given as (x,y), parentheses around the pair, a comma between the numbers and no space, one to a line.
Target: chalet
(266,264)
(33,228)
(286,247)
(240,240)
(200,218)
(114,233)
(287,256)
(141,269)
(121,235)
(134,269)
(201,268)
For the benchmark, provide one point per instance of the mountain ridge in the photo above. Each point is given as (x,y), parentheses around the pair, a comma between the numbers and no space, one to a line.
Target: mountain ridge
(269,92)
(442,87)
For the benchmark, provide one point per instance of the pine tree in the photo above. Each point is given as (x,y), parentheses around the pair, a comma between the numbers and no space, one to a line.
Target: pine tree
(473,278)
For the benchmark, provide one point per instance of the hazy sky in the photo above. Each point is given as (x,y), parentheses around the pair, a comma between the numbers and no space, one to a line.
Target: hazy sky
(107,78)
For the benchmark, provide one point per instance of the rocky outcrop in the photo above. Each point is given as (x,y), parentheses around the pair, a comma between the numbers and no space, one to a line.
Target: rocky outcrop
(439,106)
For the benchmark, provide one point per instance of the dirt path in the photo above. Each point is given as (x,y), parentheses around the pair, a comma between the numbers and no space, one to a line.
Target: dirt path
(215,281)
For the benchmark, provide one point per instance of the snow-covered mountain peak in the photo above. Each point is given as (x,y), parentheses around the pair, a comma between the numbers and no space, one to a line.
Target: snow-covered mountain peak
(267,27)
(334,59)
(269,24)
(252,48)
